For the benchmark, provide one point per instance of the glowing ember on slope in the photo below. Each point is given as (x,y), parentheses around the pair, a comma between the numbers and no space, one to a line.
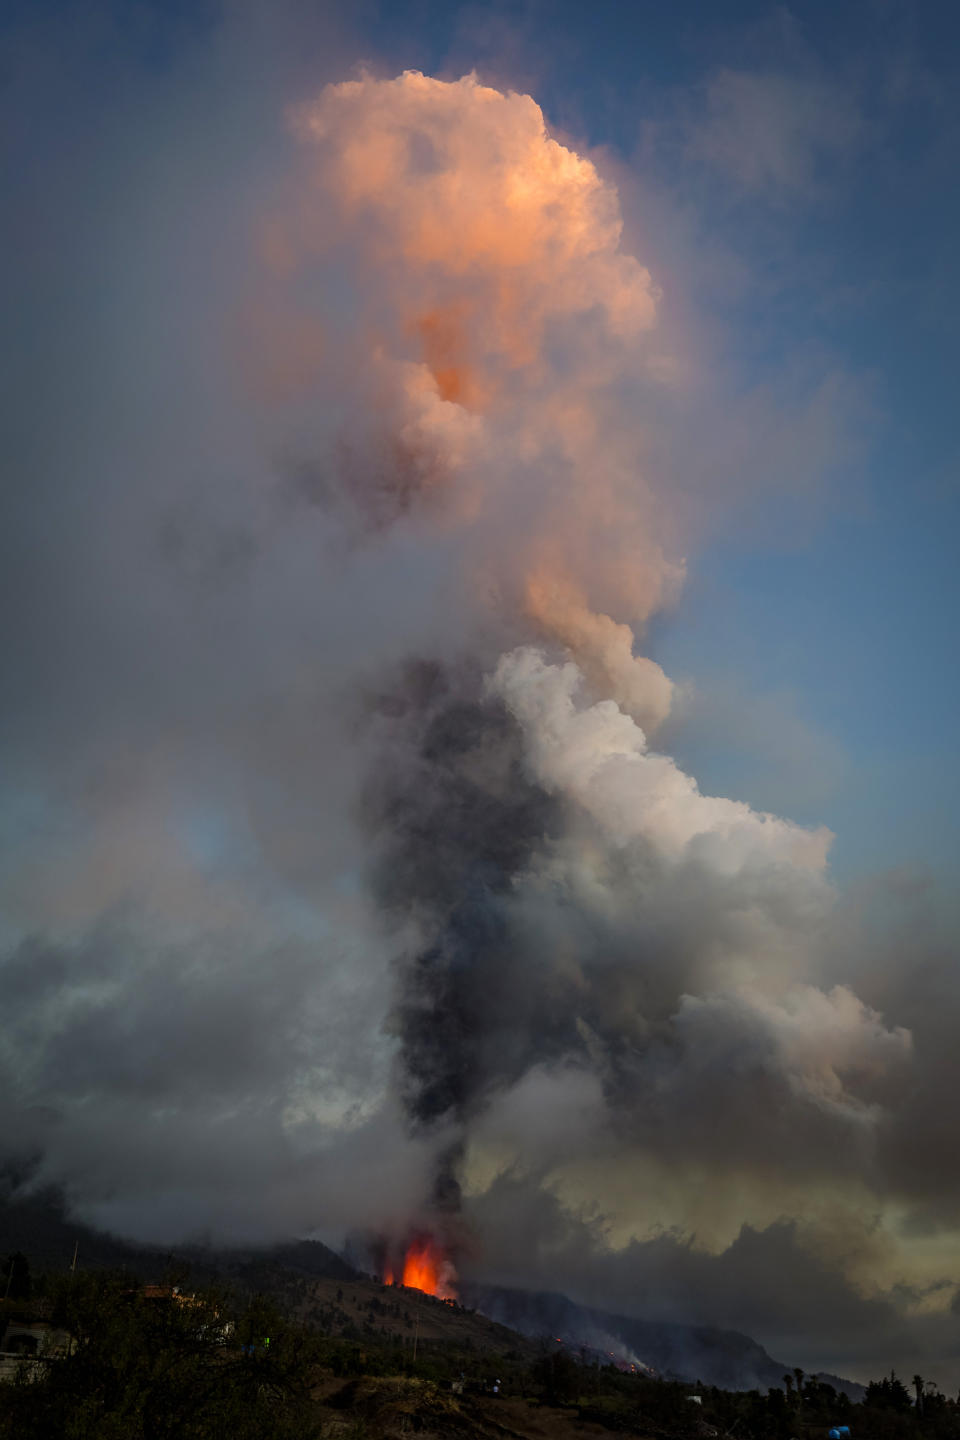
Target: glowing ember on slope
(426,1266)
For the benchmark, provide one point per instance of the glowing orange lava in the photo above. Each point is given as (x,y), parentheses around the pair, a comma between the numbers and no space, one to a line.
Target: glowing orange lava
(426,1266)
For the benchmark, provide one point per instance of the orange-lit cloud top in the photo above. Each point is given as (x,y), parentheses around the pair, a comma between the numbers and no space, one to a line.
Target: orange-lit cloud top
(463,184)
(504,328)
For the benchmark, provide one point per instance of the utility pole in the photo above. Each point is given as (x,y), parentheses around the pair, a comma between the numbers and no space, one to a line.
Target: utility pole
(73,1263)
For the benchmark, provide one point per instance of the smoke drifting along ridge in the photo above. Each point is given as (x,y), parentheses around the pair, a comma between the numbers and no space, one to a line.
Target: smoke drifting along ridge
(348,887)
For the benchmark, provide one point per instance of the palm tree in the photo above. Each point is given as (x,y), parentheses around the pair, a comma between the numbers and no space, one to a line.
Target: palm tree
(918,1387)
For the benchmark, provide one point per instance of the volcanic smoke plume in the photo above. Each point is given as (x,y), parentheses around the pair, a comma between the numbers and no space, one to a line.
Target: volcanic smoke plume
(576,916)
(351,884)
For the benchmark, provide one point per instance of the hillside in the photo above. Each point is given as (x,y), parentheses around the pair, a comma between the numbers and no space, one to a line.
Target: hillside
(323,1290)
(692,1352)
(372,1363)
(714,1356)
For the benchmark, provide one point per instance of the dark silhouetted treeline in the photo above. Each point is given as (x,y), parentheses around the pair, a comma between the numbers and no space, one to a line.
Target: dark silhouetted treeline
(158,1362)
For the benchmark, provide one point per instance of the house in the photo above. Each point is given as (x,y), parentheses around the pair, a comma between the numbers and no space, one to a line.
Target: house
(28,1346)
(37,1339)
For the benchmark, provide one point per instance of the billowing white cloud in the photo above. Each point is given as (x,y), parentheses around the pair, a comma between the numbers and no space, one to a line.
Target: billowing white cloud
(599,756)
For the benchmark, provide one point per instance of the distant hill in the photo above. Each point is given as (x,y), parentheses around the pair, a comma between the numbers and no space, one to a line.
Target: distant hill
(690,1352)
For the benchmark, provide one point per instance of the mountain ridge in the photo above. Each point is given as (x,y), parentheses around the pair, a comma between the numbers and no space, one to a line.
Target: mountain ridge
(707,1353)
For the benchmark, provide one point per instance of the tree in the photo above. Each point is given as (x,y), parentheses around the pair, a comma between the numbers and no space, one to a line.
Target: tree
(15,1277)
(890,1393)
(918,1390)
(154,1365)
(778,1419)
(559,1375)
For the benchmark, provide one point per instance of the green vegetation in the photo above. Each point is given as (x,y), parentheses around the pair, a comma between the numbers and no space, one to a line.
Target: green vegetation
(162,1367)
(149,1363)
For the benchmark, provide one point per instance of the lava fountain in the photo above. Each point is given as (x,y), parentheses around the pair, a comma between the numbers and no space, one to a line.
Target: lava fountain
(425,1265)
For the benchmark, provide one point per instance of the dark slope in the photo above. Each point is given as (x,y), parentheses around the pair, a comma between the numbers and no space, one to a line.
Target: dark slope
(691,1352)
